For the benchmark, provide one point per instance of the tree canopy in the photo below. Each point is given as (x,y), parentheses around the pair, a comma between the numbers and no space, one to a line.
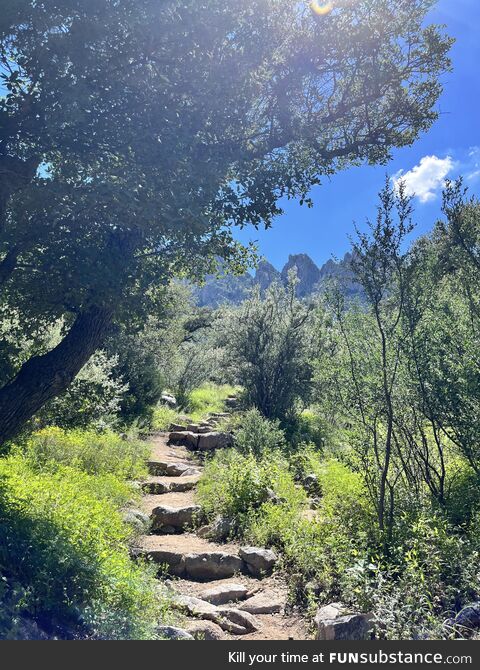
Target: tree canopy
(135,134)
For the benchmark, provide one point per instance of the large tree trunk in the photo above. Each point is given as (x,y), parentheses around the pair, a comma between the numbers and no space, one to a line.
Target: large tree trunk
(43,377)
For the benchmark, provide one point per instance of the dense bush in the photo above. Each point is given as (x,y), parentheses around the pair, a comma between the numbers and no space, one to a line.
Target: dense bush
(87,450)
(64,557)
(257,435)
(269,346)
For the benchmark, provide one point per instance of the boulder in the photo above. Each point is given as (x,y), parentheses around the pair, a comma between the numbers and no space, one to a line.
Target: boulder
(168,399)
(215,440)
(206,630)
(137,519)
(186,439)
(180,485)
(468,619)
(176,517)
(335,622)
(155,488)
(219,530)
(212,565)
(225,593)
(173,560)
(176,428)
(193,427)
(259,561)
(310,483)
(173,633)
(262,603)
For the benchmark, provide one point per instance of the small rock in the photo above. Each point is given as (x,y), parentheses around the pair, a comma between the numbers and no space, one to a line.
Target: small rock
(334,622)
(180,470)
(259,561)
(173,633)
(225,593)
(163,468)
(174,560)
(206,630)
(262,603)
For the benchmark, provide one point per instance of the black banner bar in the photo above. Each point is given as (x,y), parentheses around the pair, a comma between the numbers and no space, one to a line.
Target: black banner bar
(241,655)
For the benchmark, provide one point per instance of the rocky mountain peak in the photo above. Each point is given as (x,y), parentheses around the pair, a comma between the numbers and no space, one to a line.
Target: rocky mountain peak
(265,275)
(307,271)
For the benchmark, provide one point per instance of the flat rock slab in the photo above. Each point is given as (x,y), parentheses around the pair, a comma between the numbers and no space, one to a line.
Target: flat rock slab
(262,603)
(161,485)
(176,427)
(228,618)
(259,561)
(171,469)
(214,440)
(225,593)
(238,618)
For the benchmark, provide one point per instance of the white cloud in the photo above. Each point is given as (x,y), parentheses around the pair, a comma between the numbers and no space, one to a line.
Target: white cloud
(426,179)
(473,164)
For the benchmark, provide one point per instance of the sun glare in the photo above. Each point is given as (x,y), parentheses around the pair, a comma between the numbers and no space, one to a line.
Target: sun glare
(321,8)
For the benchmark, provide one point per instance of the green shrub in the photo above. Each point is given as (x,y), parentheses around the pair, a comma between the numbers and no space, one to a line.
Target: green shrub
(237,485)
(463,493)
(208,398)
(163,416)
(317,549)
(308,427)
(64,557)
(258,435)
(87,450)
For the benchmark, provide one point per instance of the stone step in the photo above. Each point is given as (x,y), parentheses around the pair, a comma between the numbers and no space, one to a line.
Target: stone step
(192,557)
(163,485)
(165,468)
(173,512)
(206,441)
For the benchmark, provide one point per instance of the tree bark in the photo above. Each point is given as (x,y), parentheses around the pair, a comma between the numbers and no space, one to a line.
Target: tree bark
(44,377)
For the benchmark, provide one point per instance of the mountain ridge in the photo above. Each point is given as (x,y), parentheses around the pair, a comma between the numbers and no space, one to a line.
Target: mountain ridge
(234,289)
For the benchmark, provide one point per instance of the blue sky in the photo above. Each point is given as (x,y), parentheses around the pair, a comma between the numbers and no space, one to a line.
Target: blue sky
(450,148)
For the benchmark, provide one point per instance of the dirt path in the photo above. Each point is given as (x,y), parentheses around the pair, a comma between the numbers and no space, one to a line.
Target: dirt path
(210,581)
